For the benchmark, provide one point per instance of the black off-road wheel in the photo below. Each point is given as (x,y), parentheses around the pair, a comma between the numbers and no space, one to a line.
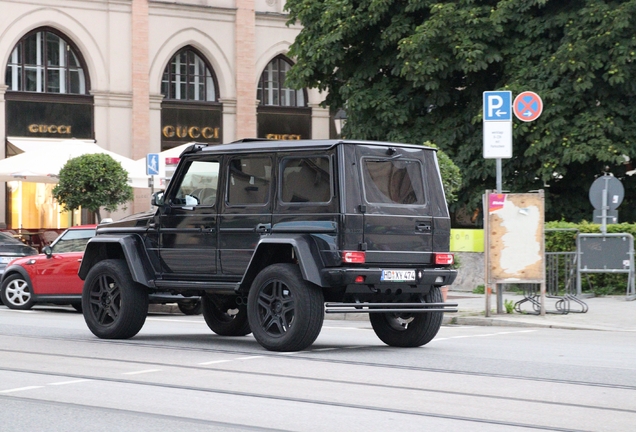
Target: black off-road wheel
(409,330)
(114,306)
(285,311)
(190,307)
(224,316)
(16,293)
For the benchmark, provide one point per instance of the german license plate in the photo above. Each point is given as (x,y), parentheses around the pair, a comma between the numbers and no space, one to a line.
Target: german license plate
(398,275)
(6,260)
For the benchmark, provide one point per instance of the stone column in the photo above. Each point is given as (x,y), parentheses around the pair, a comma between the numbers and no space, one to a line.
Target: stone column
(229,119)
(245,65)
(3,134)
(141,93)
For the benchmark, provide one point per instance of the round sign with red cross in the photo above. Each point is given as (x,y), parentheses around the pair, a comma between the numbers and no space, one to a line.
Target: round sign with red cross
(527,106)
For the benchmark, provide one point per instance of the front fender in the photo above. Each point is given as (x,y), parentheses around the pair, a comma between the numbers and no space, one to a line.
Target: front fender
(128,247)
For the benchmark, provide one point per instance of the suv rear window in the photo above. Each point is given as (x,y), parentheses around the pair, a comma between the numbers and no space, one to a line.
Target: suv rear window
(393,181)
(306,180)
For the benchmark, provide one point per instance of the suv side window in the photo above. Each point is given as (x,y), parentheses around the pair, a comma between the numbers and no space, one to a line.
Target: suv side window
(249,181)
(393,181)
(306,180)
(199,184)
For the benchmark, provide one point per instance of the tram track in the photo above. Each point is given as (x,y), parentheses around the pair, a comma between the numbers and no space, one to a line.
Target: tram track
(303,355)
(305,400)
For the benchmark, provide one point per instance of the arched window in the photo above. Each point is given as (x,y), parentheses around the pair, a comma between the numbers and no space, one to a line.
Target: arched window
(44,62)
(271,86)
(188,77)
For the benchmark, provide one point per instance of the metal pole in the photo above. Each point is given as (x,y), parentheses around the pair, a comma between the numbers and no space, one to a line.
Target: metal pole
(604,206)
(499,180)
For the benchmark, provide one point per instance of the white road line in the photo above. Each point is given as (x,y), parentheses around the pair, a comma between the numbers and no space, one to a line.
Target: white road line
(323,349)
(248,358)
(175,320)
(483,335)
(20,389)
(214,362)
(69,382)
(141,372)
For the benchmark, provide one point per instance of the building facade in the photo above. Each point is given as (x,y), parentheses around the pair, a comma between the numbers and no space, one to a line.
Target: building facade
(143,76)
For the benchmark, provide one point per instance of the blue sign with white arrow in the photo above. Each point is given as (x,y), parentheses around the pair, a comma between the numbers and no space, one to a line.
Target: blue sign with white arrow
(497,106)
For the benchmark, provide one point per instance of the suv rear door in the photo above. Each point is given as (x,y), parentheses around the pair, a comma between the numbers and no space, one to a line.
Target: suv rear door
(397,221)
(246,212)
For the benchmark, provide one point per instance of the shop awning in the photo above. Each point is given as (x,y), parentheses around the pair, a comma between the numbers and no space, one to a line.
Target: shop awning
(40,160)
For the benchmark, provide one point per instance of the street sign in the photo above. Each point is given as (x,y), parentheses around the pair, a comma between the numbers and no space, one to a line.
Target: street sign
(152,164)
(527,106)
(497,139)
(497,106)
(609,186)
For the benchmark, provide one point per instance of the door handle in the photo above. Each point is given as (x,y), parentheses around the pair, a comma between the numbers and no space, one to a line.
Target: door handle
(262,228)
(208,229)
(423,227)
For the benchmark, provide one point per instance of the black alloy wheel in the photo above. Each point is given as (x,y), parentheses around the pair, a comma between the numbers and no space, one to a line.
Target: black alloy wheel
(409,330)
(285,311)
(114,306)
(224,316)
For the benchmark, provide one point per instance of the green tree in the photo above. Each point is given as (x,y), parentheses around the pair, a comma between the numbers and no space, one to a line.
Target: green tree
(416,70)
(92,181)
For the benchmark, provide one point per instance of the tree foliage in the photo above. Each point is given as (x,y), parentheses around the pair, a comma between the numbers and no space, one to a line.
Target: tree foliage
(92,181)
(416,70)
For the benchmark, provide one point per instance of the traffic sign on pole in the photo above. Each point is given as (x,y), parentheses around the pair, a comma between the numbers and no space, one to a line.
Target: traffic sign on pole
(527,106)
(497,124)
(497,106)
(152,164)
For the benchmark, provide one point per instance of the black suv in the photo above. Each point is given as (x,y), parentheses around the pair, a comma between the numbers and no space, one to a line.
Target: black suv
(274,234)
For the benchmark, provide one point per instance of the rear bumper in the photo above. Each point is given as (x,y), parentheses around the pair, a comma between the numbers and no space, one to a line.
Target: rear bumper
(425,277)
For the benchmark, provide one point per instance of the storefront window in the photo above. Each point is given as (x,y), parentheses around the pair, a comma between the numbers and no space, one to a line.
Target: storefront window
(271,86)
(31,206)
(188,77)
(44,62)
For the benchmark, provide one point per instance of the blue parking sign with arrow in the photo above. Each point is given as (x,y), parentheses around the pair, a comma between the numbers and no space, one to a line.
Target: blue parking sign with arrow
(497,106)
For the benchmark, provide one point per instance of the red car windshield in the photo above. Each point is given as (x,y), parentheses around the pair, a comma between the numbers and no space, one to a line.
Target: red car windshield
(73,240)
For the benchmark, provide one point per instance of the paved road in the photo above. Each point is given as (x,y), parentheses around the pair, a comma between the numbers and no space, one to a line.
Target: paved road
(177,376)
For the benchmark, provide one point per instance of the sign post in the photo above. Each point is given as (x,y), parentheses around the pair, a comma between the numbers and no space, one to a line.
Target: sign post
(497,128)
(152,169)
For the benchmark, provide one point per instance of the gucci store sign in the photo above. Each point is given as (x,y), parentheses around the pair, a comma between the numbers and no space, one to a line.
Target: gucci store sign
(49,119)
(181,124)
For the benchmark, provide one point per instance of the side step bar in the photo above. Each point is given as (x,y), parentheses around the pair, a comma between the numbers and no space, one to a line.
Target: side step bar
(389,307)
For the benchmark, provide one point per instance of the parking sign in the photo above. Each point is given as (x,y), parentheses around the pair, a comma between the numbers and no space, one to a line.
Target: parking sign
(498,106)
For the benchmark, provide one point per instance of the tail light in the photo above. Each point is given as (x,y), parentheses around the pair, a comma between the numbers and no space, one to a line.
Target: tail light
(444,259)
(354,257)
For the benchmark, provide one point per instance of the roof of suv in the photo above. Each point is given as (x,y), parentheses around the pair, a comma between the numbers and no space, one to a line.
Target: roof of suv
(255,145)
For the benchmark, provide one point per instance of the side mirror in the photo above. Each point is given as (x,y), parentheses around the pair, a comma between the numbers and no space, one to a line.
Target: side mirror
(48,251)
(157,198)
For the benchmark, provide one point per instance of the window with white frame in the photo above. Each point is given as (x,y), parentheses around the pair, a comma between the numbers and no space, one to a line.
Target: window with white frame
(271,87)
(44,62)
(188,77)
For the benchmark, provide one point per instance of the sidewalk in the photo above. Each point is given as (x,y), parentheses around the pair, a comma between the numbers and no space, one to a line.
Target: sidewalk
(604,313)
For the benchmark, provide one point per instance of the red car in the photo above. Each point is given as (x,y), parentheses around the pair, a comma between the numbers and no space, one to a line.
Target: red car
(51,277)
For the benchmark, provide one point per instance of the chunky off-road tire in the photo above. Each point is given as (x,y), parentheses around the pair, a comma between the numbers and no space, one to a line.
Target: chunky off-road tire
(224,316)
(190,307)
(114,306)
(409,330)
(285,311)
(16,293)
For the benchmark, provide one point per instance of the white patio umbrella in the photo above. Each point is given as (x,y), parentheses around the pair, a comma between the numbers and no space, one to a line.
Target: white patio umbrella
(44,164)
